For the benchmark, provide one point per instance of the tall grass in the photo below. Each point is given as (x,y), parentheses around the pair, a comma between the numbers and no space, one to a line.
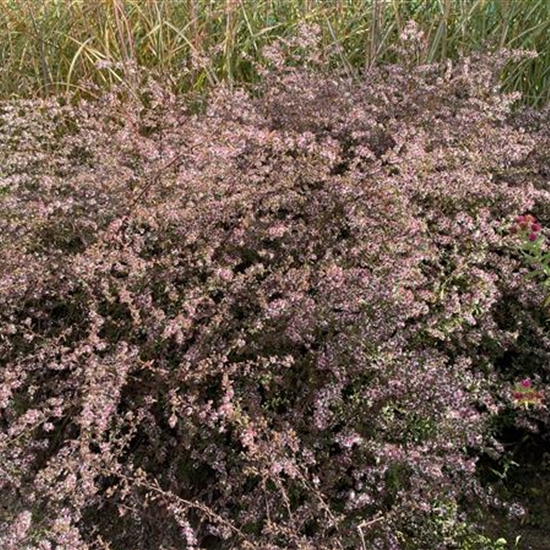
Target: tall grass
(48,46)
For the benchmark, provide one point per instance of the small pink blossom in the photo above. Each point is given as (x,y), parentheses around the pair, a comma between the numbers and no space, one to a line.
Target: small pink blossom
(225,274)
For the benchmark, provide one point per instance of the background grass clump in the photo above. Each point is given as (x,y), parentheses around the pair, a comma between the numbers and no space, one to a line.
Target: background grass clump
(290,321)
(53,46)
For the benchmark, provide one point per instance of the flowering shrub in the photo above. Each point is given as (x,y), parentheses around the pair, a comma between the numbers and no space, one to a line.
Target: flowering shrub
(280,323)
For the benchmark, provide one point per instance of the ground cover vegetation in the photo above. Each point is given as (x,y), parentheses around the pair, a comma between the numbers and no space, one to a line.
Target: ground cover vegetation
(307,314)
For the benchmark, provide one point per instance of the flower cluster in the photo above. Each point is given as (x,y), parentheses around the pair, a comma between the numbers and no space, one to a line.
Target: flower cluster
(525,394)
(528,226)
(532,247)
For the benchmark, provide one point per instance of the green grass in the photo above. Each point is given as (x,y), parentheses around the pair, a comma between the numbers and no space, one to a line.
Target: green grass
(49,46)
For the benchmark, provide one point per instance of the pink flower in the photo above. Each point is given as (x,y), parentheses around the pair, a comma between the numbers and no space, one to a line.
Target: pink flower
(526,383)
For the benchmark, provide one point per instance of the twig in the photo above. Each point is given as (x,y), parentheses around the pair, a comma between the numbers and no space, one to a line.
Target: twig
(156,488)
(366,524)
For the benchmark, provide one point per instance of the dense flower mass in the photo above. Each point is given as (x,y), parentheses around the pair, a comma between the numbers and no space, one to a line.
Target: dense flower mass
(288,321)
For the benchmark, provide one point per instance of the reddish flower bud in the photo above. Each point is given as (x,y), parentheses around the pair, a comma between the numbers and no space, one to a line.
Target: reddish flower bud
(526,383)
(533,237)
(517,395)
